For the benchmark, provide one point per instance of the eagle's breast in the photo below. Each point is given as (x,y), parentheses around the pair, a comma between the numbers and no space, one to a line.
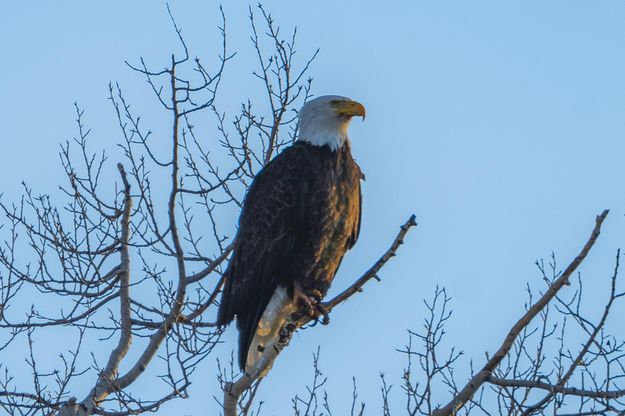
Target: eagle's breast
(334,204)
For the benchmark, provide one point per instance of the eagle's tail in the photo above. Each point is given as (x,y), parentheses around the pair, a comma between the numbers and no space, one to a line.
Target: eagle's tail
(267,332)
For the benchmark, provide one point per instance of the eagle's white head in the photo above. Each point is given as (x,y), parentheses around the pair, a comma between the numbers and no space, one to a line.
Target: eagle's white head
(324,120)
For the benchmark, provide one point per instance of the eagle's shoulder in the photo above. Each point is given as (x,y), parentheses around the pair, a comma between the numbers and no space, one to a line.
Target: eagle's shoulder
(277,186)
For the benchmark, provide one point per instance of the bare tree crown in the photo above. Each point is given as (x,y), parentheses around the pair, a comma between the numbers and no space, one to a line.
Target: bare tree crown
(135,264)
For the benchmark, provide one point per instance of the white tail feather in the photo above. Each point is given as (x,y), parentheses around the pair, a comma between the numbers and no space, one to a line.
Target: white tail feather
(267,332)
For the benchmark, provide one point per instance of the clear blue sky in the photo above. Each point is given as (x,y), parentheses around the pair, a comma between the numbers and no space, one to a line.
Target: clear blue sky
(499,124)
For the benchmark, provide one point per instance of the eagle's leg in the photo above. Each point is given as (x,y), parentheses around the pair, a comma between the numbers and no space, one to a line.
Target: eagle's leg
(319,309)
(305,302)
(309,304)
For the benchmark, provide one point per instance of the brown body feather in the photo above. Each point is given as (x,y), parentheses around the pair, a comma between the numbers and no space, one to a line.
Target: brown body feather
(300,216)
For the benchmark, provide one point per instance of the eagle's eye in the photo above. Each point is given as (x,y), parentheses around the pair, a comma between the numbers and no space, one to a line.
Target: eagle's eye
(334,103)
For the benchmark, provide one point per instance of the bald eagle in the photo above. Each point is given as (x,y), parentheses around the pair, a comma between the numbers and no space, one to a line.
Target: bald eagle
(300,215)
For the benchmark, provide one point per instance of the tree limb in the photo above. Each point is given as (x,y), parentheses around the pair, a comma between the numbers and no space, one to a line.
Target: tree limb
(554,388)
(482,376)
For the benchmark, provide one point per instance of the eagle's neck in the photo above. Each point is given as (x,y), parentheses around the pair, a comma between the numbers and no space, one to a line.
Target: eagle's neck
(332,134)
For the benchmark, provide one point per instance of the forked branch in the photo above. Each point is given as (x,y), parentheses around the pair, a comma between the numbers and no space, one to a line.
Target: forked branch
(482,376)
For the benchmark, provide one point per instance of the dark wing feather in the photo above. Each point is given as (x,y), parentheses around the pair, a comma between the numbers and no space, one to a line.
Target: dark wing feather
(268,228)
(355,174)
(356,229)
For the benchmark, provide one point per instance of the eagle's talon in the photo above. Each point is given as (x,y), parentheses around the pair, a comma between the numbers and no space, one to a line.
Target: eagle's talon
(322,312)
(310,306)
(307,302)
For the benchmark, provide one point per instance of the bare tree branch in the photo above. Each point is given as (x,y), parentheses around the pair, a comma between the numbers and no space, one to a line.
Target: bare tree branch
(554,388)
(467,392)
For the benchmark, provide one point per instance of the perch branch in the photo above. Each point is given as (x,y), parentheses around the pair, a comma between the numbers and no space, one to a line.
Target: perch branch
(372,273)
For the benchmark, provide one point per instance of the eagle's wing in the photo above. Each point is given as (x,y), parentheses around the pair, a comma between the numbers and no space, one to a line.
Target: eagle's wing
(357,213)
(269,226)
(356,226)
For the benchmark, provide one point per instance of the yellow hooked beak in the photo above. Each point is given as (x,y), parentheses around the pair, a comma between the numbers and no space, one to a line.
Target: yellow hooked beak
(350,109)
